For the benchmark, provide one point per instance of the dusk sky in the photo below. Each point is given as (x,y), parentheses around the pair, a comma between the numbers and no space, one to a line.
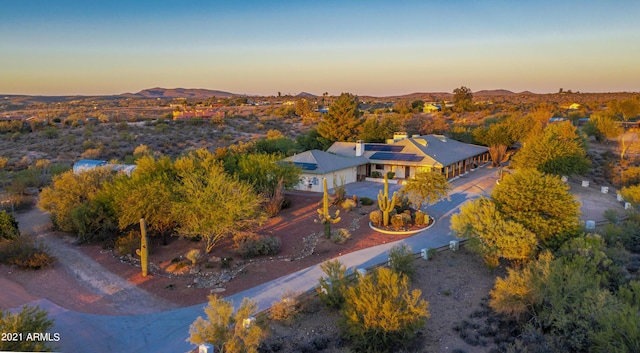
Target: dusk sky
(375,48)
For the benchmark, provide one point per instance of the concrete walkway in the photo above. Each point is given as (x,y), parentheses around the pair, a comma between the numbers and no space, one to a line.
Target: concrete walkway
(167,331)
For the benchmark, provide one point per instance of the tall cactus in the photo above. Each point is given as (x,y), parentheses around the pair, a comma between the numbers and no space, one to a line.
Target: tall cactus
(143,252)
(386,205)
(323,214)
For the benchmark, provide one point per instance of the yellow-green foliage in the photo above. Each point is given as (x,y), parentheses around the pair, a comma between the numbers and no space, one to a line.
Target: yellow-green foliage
(421,218)
(492,235)
(381,312)
(514,295)
(348,204)
(542,203)
(30,319)
(376,218)
(397,221)
(631,194)
(226,331)
(285,309)
(331,287)
(70,191)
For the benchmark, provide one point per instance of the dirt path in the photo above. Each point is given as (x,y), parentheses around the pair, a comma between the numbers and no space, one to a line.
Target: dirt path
(110,290)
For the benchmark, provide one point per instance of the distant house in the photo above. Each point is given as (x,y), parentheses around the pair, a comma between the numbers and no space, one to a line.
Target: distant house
(572,106)
(431,108)
(316,165)
(87,164)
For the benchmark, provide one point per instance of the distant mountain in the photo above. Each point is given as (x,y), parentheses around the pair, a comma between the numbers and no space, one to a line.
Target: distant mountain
(305,95)
(493,92)
(159,92)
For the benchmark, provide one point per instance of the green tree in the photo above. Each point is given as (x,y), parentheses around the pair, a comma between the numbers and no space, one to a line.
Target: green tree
(540,202)
(463,99)
(263,172)
(342,121)
(70,190)
(303,108)
(209,203)
(628,108)
(558,150)
(376,130)
(381,313)
(498,137)
(311,140)
(603,126)
(227,331)
(29,320)
(492,235)
(148,193)
(426,188)
(9,229)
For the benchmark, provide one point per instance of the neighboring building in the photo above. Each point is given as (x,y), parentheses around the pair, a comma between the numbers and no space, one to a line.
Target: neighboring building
(405,156)
(431,108)
(316,164)
(87,164)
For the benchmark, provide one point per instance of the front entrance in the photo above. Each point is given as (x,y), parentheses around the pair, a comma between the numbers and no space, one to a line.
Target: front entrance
(407,172)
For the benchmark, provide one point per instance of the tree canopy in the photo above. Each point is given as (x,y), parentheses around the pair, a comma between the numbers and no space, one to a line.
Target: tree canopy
(558,150)
(426,187)
(342,121)
(210,203)
(463,98)
(540,202)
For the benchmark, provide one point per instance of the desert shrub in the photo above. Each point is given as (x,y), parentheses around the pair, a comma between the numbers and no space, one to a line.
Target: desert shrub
(225,330)
(285,309)
(332,287)
(286,203)
(23,253)
(375,217)
(50,133)
(397,221)
(193,255)
(386,321)
(348,204)
(391,175)
(401,260)
(29,319)
(8,226)
(251,245)
(128,244)
(339,190)
(340,236)
(402,202)
(365,201)
(421,218)
(611,216)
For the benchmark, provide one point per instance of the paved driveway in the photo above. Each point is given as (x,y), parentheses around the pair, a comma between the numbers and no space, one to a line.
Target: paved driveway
(166,331)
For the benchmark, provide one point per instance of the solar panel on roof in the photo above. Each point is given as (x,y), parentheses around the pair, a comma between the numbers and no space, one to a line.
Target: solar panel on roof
(394,156)
(385,148)
(306,166)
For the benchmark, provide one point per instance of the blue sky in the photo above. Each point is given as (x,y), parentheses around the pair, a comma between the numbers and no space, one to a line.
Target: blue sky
(363,47)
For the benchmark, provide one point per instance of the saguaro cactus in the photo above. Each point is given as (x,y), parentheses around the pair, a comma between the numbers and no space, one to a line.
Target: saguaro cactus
(323,214)
(384,203)
(143,252)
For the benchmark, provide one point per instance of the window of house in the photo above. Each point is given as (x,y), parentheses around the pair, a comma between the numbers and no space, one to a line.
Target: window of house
(379,167)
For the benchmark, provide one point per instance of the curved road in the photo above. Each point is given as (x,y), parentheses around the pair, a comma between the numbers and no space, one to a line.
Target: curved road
(166,331)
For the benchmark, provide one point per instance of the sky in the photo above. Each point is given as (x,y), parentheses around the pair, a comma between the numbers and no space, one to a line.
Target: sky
(377,48)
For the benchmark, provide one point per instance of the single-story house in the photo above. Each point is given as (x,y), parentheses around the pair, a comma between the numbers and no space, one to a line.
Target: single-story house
(405,155)
(316,164)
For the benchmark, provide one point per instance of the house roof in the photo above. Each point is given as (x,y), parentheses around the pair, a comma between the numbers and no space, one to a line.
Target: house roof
(428,150)
(319,162)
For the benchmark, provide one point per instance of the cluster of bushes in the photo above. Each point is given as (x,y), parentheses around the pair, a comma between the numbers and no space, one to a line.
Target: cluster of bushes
(251,245)
(19,250)
(387,321)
